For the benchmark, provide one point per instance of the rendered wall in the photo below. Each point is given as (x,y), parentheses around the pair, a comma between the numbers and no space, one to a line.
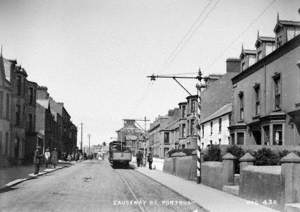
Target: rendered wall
(263,184)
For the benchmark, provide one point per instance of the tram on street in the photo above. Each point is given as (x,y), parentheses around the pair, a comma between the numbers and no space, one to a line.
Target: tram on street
(119,154)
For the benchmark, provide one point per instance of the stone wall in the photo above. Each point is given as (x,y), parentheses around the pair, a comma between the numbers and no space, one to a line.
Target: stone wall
(263,184)
(184,167)
(212,174)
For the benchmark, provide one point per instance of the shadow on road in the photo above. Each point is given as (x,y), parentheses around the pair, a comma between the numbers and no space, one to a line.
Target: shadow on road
(7,189)
(122,167)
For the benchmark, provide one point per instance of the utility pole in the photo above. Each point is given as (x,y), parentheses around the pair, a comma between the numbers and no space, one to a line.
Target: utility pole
(145,120)
(81,128)
(89,135)
(198,126)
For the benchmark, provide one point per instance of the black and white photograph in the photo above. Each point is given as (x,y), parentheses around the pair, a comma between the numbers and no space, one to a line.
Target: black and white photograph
(150,105)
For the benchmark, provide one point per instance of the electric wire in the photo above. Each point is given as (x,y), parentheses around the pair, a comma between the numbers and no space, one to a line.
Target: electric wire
(190,30)
(172,58)
(241,34)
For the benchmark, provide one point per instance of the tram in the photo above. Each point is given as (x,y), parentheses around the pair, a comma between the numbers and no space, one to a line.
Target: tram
(119,154)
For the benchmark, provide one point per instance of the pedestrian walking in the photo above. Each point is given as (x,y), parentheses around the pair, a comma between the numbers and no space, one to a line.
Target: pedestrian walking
(150,159)
(37,159)
(54,158)
(138,158)
(47,156)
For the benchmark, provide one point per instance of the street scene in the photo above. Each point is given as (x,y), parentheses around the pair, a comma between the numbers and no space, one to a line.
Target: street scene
(73,189)
(160,105)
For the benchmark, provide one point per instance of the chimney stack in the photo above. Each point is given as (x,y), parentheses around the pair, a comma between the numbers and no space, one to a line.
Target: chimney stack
(233,65)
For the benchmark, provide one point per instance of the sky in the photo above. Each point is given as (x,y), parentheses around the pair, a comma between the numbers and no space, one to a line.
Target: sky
(94,55)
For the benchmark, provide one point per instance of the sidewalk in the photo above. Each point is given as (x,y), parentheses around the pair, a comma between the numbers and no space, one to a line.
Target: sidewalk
(13,175)
(209,198)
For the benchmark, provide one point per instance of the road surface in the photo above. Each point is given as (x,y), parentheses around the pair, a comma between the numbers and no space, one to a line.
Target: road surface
(93,186)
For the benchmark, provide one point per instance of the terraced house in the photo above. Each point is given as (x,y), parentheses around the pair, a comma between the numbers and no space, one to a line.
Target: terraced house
(5,114)
(17,101)
(187,123)
(266,94)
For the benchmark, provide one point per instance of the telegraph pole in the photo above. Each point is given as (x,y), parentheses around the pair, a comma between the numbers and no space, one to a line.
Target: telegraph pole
(89,135)
(198,128)
(81,127)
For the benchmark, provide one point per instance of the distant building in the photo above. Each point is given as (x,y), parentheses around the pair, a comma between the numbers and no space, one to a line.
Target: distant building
(266,97)
(54,120)
(30,113)
(132,135)
(187,123)
(163,134)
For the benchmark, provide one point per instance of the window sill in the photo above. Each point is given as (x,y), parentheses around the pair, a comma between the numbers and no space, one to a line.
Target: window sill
(240,121)
(256,117)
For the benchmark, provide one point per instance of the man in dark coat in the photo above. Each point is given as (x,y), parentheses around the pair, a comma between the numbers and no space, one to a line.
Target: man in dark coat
(139,158)
(150,159)
(54,158)
(37,160)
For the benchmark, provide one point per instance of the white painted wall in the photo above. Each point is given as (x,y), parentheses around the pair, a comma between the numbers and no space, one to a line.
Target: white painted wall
(216,135)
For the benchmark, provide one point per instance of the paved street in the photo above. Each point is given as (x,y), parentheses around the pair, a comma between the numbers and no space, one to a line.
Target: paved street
(93,186)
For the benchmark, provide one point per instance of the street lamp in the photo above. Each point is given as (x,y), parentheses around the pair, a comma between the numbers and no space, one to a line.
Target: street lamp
(199,87)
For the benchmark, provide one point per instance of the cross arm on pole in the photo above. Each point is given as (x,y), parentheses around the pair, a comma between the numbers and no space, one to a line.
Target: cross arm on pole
(174,78)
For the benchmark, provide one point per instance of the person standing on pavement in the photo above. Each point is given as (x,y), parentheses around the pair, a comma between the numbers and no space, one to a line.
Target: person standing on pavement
(142,158)
(150,159)
(37,159)
(138,158)
(54,158)
(47,156)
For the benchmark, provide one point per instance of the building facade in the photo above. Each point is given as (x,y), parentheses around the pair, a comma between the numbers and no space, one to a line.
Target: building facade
(5,115)
(30,114)
(54,123)
(216,106)
(187,123)
(214,129)
(266,97)
(164,132)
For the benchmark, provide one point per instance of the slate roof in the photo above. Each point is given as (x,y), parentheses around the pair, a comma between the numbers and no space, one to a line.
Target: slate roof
(220,112)
(286,23)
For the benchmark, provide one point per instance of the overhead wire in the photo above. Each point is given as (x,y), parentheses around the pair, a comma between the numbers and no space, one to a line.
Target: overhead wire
(187,38)
(241,34)
(190,30)
(141,98)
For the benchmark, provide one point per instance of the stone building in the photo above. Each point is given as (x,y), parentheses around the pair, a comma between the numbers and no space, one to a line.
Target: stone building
(266,97)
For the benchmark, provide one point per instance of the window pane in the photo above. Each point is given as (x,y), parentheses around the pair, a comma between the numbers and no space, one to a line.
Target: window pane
(277,134)
(240,138)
